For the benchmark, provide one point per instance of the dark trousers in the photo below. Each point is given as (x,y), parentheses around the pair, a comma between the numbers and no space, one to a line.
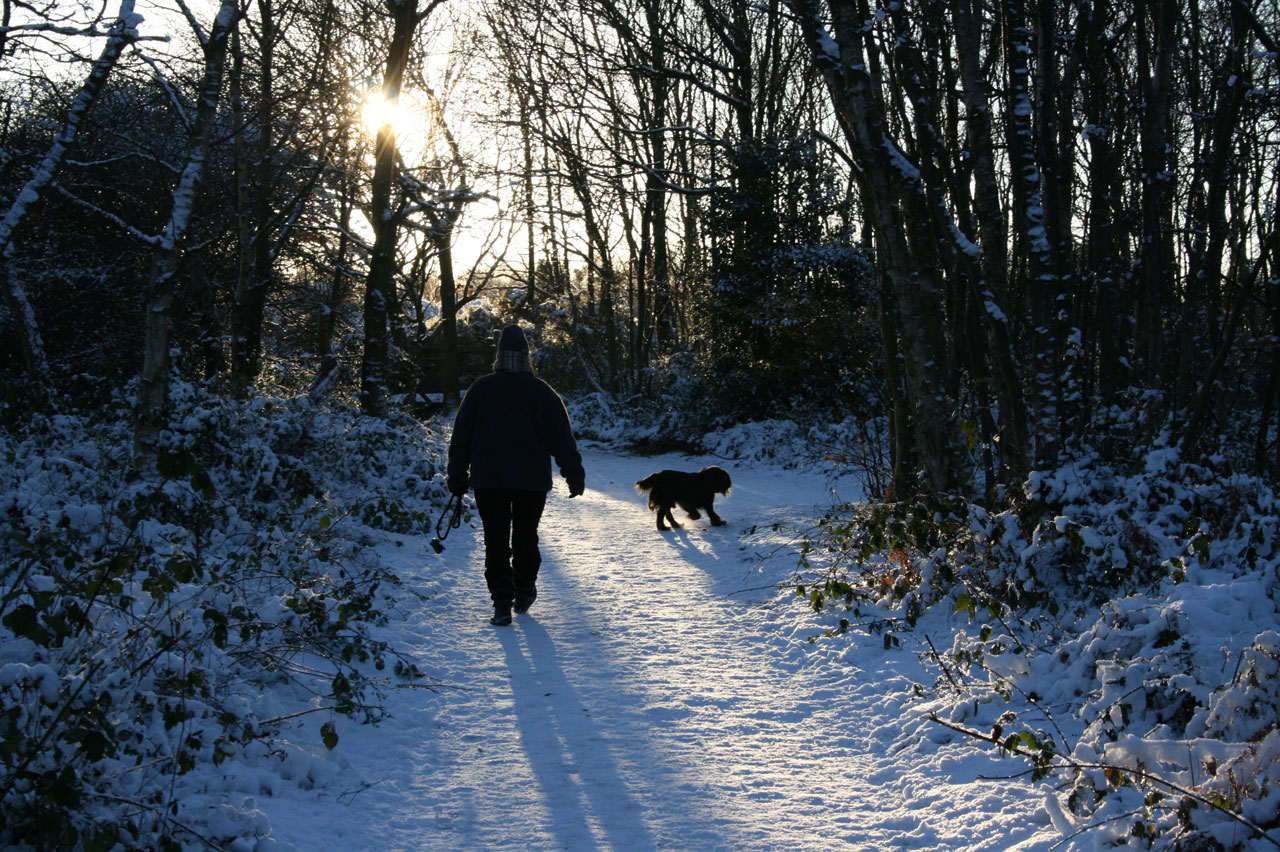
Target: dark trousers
(511,557)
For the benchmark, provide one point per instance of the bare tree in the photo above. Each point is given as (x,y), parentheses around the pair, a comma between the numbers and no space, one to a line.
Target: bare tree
(909,233)
(153,389)
(385,218)
(1028,263)
(122,34)
(283,92)
(441,200)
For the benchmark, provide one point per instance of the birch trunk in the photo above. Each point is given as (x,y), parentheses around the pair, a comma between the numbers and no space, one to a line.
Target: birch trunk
(990,291)
(1033,254)
(906,243)
(153,390)
(123,33)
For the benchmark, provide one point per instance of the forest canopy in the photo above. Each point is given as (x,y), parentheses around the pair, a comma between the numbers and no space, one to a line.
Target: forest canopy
(1007,231)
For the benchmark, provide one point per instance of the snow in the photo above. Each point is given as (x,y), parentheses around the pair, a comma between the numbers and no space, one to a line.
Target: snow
(661,694)
(830,49)
(966,245)
(905,168)
(668,690)
(989,302)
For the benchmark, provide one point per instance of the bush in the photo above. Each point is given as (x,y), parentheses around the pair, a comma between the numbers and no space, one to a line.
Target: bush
(1118,629)
(156,629)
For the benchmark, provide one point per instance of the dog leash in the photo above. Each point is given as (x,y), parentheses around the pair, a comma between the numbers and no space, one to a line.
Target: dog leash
(455,520)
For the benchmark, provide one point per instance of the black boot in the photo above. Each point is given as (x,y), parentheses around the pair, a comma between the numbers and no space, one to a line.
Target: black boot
(501,616)
(523,602)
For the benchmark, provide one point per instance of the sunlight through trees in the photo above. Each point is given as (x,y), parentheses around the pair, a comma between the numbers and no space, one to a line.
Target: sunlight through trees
(942,216)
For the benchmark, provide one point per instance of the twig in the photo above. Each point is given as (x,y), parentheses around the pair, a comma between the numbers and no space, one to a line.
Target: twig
(1145,775)
(1087,828)
(946,670)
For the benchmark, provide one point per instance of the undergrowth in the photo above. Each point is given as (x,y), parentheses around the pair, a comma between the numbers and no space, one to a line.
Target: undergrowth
(1117,629)
(160,631)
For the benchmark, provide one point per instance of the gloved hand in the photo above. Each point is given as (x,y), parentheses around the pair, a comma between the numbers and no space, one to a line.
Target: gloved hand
(458,485)
(576,488)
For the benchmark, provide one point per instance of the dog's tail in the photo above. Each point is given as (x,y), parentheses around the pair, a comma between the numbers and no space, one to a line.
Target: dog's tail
(644,486)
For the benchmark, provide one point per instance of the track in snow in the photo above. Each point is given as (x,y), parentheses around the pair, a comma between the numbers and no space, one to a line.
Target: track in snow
(649,702)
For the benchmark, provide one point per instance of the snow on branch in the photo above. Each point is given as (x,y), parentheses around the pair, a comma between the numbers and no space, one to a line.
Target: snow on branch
(180,107)
(901,163)
(55,29)
(962,241)
(149,239)
(662,178)
(838,149)
(702,85)
(830,50)
(123,32)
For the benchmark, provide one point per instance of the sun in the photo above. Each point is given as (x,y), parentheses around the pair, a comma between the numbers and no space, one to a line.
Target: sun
(409,119)
(377,112)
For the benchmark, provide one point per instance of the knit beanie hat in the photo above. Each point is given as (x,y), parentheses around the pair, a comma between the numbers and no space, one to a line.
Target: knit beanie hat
(513,352)
(513,338)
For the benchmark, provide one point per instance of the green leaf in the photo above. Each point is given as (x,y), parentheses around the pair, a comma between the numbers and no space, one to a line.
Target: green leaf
(202,482)
(98,841)
(330,735)
(173,464)
(64,789)
(23,621)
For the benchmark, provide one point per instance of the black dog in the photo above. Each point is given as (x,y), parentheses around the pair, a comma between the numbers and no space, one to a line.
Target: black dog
(689,491)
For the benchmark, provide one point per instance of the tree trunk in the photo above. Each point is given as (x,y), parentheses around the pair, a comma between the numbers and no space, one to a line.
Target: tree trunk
(991,288)
(1034,273)
(1213,166)
(1157,21)
(253,180)
(153,389)
(530,208)
(379,293)
(656,182)
(123,33)
(1104,326)
(448,321)
(906,243)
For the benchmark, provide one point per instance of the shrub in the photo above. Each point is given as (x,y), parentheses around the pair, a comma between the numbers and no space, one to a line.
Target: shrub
(1117,629)
(154,628)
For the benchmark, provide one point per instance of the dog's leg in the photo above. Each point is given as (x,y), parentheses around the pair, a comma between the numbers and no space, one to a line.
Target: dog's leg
(694,514)
(716,520)
(666,510)
(662,512)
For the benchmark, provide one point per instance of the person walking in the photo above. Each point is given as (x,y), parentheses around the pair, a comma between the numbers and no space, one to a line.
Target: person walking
(508,428)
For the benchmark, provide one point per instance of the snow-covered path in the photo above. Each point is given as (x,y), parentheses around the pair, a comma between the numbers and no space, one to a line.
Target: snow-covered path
(649,701)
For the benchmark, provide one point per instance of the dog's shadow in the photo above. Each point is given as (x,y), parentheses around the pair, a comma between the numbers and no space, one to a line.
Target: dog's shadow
(679,538)
(717,551)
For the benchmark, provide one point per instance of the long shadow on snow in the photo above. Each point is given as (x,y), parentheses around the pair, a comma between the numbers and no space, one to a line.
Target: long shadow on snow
(716,551)
(569,756)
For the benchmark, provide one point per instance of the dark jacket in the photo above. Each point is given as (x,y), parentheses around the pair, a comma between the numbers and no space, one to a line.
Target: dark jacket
(507,430)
